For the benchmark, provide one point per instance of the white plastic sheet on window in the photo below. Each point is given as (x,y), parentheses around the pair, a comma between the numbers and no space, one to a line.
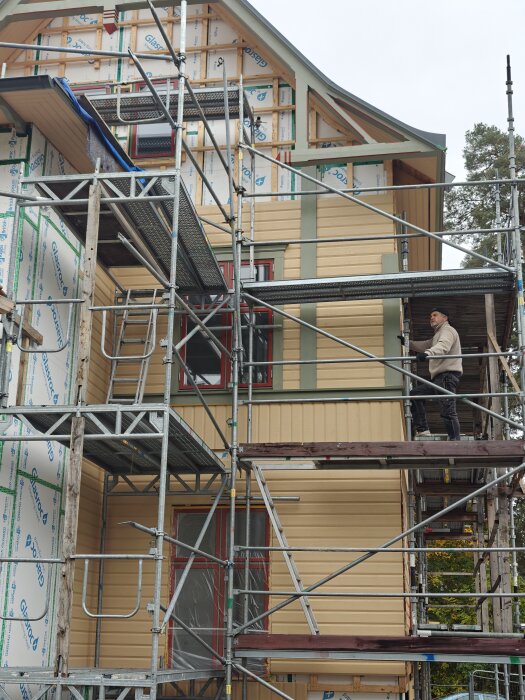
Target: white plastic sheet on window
(201,604)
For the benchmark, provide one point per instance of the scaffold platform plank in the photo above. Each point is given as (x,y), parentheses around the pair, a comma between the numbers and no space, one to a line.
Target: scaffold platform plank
(149,219)
(107,677)
(128,107)
(431,454)
(432,648)
(397,285)
(125,440)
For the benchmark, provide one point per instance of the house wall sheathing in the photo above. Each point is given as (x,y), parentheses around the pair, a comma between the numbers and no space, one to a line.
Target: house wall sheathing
(272,98)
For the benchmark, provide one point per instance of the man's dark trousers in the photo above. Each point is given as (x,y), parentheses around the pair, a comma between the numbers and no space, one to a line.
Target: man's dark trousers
(448,381)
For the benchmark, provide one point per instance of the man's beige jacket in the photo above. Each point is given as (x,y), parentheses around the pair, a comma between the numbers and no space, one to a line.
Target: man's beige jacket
(444,342)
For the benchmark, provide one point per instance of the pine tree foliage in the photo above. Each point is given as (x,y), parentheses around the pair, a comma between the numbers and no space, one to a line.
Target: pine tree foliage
(486,156)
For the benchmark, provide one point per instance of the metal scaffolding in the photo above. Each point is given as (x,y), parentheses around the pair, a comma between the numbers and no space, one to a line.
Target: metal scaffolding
(166,236)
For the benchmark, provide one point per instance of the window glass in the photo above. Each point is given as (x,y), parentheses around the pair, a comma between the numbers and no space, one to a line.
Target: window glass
(189,526)
(204,359)
(153,140)
(207,366)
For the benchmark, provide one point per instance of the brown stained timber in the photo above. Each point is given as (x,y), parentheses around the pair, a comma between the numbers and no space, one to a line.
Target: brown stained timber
(431,645)
(471,453)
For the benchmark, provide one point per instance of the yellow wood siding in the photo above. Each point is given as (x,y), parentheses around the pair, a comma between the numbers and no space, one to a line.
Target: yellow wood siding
(88,542)
(99,366)
(335,508)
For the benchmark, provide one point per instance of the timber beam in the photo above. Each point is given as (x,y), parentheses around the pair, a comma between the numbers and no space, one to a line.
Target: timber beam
(373,647)
(471,454)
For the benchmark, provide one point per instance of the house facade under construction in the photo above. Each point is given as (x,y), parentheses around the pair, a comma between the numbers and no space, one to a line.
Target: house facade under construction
(208,484)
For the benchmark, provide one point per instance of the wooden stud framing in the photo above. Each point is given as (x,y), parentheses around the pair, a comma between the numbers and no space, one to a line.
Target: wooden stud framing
(74,468)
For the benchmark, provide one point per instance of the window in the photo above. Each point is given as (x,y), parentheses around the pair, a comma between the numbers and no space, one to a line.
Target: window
(201,604)
(154,140)
(209,368)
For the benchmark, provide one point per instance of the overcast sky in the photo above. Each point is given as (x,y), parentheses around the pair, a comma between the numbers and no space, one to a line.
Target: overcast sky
(438,65)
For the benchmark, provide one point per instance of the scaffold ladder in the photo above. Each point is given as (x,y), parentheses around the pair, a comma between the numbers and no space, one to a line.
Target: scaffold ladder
(283,542)
(134,328)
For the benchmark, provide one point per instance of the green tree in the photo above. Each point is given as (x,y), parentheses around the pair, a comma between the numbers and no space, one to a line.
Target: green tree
(486,155)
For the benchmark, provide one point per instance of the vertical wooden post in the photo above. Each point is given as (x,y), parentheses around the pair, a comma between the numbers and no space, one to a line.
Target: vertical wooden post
(481,579)
(498,507)
(74,468)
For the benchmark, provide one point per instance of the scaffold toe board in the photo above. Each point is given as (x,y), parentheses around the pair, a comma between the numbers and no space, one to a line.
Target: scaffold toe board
(424,454)
(126,440)
(137,212)
(433,648)
(136,106)
(401,284)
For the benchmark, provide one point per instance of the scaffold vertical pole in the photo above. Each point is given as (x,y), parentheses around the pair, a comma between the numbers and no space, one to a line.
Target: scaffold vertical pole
(249,417)
(236,228)
(518,253)
(156,628)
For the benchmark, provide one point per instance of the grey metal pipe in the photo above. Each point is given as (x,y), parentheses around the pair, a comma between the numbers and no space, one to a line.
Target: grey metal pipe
(395,358)
(356,348)
(376,210)
(406,533)
(388,188)
(83,52)
(357,239)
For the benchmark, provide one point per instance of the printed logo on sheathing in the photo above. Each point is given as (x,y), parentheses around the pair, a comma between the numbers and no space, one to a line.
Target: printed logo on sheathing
(9,461)
(12,147)
(34,536)
(369,175)
(259,95)
(56,164)
(6,516)
(263,174)
(46,459)
(35,168)
(263,128)
(9,176)
(49,373)
(335,175)
(254,63)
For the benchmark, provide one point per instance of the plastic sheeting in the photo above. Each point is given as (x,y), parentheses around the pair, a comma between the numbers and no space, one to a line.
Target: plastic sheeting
(201,603)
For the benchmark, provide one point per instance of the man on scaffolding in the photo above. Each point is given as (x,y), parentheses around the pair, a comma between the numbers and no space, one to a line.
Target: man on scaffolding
(445,372)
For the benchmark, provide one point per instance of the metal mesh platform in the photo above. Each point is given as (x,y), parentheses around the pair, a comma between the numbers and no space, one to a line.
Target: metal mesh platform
(127,441)
(401,284)
(141,105)
(197,267)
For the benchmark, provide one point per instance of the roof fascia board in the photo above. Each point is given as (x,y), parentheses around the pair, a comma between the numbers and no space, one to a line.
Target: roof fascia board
(16,11)
(361,152)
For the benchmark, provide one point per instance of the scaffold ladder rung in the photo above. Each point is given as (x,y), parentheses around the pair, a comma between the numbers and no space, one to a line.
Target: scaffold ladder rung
(283,542)
(125,333)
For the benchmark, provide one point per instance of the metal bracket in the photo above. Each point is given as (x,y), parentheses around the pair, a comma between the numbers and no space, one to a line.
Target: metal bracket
(114,616)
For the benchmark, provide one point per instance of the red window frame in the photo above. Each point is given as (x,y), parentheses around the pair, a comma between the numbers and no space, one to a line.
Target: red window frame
(260,562)
(134,130)
(224,319)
